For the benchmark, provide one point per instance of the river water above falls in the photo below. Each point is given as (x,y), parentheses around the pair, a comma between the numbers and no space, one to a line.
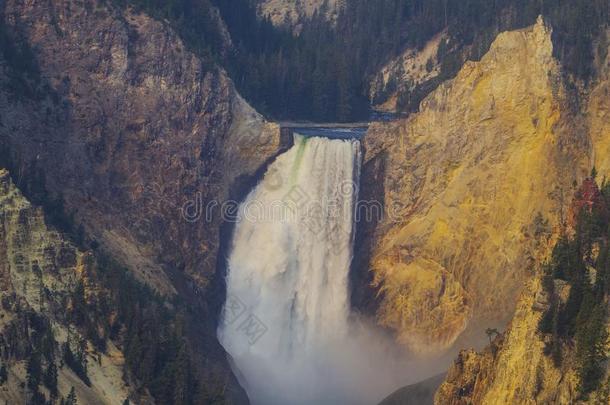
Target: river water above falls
(287,323)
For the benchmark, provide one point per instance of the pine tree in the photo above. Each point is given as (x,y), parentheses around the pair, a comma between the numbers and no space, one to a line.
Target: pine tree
(3,374)
(34,371)
(71,399)
(50,379)
(78,363)
(591,343)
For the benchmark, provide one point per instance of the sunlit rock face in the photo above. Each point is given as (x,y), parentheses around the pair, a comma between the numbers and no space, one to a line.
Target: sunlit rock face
(521,365)
(39,273)
(517,368)
(598,111)
(463,182)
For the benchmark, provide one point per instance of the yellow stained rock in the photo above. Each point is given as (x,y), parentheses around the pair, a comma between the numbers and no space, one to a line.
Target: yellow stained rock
(469,173)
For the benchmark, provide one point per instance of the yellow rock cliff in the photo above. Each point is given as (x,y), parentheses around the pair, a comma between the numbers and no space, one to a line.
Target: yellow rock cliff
(465,181)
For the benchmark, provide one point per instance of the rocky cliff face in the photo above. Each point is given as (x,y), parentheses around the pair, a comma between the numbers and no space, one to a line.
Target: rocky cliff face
(141,127)
(294,12)
(515,368)
(403,74)
(598,107)
(518,366)
(139,140)
(473,187)
(536,361)
(40,272)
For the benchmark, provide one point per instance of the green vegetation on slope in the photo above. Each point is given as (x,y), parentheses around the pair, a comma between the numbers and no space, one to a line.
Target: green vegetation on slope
(581,260)
(322,74)
(155,333)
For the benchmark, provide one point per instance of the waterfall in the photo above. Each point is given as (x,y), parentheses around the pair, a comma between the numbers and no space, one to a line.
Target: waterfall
(286,322)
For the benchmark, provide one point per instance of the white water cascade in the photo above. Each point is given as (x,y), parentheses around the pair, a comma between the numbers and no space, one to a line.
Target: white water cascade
(287,324)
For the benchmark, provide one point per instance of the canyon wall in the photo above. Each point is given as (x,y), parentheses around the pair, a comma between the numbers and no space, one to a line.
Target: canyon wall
(109,118)
(473,186)
(405,73)
(40,273)
(517,367)
(137,127)
(514,368)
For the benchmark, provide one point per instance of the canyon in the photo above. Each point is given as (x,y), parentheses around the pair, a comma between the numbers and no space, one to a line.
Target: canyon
(120,141)
(132,135)
(464,189)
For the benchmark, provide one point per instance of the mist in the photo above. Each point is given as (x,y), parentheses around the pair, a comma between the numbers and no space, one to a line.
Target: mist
(287,322)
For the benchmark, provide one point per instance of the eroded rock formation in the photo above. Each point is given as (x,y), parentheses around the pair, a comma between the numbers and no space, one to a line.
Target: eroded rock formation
(294,12)
(40,273)
(473,186)
(139,140)
(518,367)
(144,127)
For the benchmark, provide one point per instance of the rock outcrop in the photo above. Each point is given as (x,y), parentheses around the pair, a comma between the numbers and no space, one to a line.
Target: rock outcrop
(518,367)
(514,369)
(473,187)
(598,108)
(421,393)
(40,273)
(138,139)
(293,13)
(403,74)
(144,128)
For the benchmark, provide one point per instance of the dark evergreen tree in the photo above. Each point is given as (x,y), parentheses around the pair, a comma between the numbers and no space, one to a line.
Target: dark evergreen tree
(304,76)
(71,399)
(77,362)
(3,374)
(50,379)
(582,320)
(34,371)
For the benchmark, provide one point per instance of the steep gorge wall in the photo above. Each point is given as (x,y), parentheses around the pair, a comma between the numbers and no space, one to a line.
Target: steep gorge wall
(39,273)
(136,136)
(517,368)
(463,183)
(405,73)
(598,109)
(140,127)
